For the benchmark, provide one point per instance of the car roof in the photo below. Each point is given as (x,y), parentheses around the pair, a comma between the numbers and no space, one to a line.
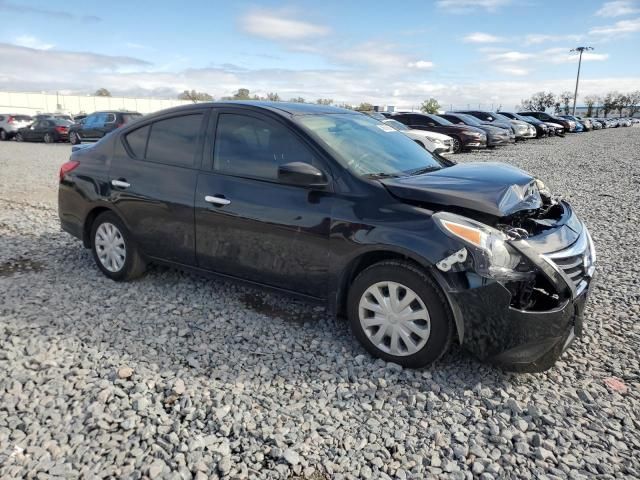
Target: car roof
(289,108)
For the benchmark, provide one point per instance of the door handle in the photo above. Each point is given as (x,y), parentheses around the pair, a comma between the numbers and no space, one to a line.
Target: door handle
(216,200)
(120,183)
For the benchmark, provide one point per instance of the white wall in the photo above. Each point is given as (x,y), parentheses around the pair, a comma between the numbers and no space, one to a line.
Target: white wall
(32,103)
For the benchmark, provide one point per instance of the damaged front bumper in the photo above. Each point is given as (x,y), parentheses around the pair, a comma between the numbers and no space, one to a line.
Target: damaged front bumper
(493,326)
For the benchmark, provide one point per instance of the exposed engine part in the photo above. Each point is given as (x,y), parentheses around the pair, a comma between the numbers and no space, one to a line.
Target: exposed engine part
(458,257)
(514,233)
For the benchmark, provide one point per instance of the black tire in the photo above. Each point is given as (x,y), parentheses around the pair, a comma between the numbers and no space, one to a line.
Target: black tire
(413,277)
(134,264)
(4,136)
(48,138)
(19,137)
(457,145)
(74,138)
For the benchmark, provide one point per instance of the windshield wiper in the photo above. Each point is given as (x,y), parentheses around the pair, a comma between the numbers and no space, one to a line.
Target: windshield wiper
(421,170)
(381,175)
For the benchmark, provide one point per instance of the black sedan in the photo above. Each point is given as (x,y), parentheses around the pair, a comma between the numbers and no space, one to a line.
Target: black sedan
(336,207)
(48,130)
(495,135)
(542,129)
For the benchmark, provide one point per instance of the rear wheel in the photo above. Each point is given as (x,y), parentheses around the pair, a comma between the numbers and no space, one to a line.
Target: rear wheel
(48,138)
(74,138)
(457,145)
(4,136)
(19,137)
(114,250)
(399,314)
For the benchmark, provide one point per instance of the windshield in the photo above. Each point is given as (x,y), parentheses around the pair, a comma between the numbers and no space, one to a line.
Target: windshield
(368,147)
(397,125)
(438,120)
(502,118)
(468,119)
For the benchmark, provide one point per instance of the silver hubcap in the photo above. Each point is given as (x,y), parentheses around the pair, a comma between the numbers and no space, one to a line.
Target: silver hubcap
(110,247)
(394,318)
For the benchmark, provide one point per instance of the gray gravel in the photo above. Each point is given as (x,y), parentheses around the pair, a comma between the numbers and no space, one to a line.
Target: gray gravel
(176,376)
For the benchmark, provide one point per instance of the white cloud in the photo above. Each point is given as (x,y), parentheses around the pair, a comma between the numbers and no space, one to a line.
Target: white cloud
(480,37)
(618,8)
(510,70)
(468,6)
(420,65)
(26,69)
(376,55)
(32,42)
(621,27)
(512,56)
(534,38)
(280,26)
(558,55)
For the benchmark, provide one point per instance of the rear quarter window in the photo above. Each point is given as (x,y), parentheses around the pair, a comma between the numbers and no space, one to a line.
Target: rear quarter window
(175,141)
(137,141)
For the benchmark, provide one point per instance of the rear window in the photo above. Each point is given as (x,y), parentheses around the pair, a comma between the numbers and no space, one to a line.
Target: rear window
(130,117)
(62,122)
(137,141)
(174,141)
(21,118)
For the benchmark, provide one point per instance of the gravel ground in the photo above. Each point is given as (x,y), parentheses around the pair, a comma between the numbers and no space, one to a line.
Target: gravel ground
(176,376)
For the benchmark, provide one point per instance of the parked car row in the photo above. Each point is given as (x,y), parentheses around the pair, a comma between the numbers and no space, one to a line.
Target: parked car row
(477,129)
(50,128)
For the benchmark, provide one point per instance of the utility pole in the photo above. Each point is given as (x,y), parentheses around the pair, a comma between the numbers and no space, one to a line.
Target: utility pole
(580,51)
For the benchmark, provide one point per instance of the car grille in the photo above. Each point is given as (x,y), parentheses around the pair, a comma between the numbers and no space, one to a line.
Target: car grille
(576,261)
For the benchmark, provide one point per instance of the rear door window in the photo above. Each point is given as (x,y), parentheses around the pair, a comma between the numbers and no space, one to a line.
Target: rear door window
(175,140)
(248,146)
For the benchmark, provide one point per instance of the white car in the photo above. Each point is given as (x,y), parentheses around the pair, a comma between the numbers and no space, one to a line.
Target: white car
(432,141)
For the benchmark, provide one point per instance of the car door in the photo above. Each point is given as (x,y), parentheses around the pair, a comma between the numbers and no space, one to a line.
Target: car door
(248,224)
(35,132)
(86,129)
(106,125)
(153,179)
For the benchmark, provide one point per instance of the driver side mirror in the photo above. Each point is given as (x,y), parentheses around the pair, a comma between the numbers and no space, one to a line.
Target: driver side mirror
(301,174)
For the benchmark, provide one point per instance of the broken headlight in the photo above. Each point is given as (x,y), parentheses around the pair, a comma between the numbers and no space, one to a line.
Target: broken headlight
(491,255)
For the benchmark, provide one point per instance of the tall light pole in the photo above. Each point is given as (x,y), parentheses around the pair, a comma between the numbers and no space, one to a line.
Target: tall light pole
(580,51)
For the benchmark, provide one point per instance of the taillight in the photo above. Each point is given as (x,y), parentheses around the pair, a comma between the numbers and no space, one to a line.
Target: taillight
(118,125)
(61,129)
(67,167)
(10,120)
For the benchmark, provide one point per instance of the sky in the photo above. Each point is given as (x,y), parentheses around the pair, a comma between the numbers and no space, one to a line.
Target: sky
(461,52)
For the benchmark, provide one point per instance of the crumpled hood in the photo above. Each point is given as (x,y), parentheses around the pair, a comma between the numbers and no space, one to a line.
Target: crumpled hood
(494,188)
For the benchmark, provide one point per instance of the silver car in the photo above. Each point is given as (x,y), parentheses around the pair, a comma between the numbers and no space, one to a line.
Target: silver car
(10,123)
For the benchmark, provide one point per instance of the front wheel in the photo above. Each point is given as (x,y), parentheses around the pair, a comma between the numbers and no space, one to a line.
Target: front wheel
(399,314)
(19,137)
(74,138)
(114,251)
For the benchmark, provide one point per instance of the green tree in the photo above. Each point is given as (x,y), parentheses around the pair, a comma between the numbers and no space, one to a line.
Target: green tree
(195,97)
(297,100)
(364,107)
(273,97)
(539,102)
(241,94)
(324,101)
(622,101)
(609,103)
(634,103)
(102,92)
(590,101)
(566,97)
(430,106)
